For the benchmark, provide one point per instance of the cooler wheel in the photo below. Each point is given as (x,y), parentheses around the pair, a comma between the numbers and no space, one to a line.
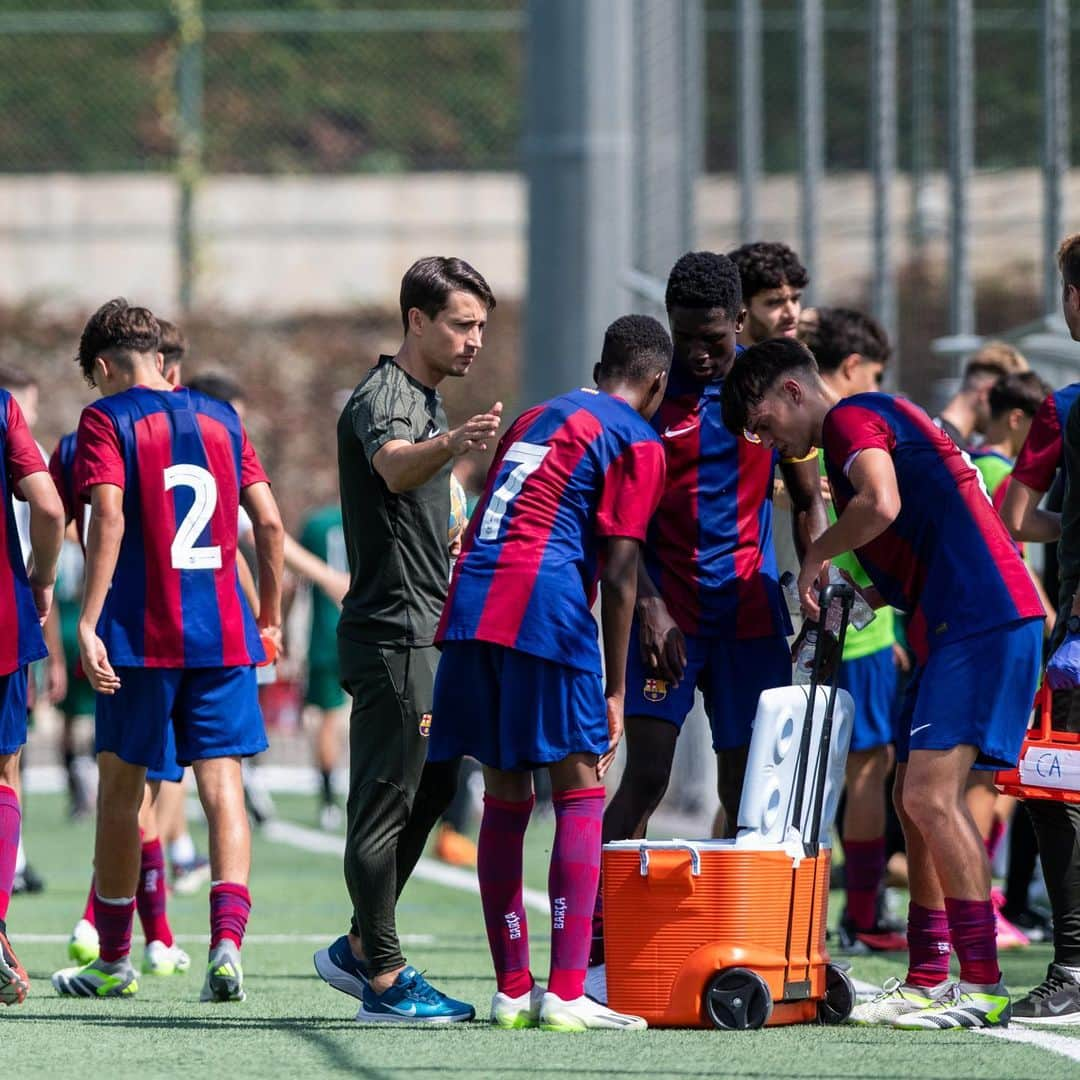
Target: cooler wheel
(738,999)
(835,1007)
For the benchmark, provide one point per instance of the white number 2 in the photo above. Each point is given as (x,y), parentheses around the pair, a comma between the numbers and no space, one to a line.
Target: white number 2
(185,555)
(528,456)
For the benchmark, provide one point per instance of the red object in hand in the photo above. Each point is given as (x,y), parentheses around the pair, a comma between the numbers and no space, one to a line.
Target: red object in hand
(270,648)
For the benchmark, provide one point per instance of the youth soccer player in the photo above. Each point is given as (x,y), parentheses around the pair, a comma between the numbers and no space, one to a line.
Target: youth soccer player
(25,601)
(773,280)
(967,413)
(166,636)
(571,490)
(913,510)
(852,350)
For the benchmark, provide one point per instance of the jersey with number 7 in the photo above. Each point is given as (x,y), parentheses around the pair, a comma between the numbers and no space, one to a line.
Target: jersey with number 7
(182,458)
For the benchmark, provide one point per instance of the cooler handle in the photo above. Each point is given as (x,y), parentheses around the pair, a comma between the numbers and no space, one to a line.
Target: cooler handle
(1044,704)
(695,856)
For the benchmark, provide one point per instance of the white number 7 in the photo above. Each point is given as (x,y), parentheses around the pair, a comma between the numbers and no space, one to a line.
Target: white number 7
(529,456)
(185,555)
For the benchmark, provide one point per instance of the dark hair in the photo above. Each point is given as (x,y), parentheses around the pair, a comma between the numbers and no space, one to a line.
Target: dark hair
(705,281)
(118,332)
(1068,259)
(216,386)
(755,371)
(173,344)
(1021,390)
(16,378)
(768,265)
(635,348)
(429,282)
(839,332)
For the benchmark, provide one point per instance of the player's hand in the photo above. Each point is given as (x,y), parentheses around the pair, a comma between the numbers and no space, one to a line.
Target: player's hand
(1063,670)
(476,432)
(813,571)
(273,636)
(56,681)
(615,731)
(900,657)
(95,661)
(663,646)
(43,597)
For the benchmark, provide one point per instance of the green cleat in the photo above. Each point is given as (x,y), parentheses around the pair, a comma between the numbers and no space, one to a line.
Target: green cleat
(97,980)
(967,1006)
(224,975)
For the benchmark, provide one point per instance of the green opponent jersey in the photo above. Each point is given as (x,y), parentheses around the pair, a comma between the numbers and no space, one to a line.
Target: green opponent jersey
(881,633)
(993,467)
(323,535)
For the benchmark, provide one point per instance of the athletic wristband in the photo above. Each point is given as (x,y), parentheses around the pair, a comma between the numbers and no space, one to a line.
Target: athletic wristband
(796,460)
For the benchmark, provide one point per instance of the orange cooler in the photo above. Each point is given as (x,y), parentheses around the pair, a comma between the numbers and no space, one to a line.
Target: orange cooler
(1049,765)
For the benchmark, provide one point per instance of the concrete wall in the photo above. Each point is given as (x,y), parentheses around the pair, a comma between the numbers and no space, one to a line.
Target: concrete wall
(287,244)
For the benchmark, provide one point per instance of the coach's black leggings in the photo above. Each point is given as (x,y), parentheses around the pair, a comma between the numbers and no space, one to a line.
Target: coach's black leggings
(395,797)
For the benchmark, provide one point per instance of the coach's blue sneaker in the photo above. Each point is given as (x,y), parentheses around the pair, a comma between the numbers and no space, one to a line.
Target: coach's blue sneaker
(411,1000)
(337,966)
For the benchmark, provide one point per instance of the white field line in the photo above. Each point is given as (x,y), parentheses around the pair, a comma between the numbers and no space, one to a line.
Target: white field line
(453,877)
(1044,1040)
(249,939)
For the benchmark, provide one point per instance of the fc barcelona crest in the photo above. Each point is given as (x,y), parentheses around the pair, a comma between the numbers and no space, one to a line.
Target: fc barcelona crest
(425,724)
(655,689)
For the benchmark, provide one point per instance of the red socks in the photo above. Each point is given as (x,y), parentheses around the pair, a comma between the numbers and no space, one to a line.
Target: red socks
(864,867)
(10,822)
(572,884)
(150,898)
(928,946)
(499,867)
(973,930)
(230,906)
(88,911)
(113,921)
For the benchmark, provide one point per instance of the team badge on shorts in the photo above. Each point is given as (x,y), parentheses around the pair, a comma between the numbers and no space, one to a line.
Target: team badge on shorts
(655,689)
(425,724)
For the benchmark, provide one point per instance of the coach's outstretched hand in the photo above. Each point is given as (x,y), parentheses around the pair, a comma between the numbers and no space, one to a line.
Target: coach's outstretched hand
(663,646)
(476,431)
(1063,670)
(95,661)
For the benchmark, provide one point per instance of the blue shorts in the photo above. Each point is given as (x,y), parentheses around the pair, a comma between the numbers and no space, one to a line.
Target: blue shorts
(13,711)
(511,710)
(171,769)
(975,692)
(871,681)
(730,674)
(214,711)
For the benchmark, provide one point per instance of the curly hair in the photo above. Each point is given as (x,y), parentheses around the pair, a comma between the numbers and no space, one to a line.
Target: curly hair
(768,265)
(753,374)
(704,280)
(118,332)
(635,347)
(173,344)
(838,332)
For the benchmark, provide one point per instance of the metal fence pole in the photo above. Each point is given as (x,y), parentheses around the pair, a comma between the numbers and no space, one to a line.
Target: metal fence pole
(749,110)
(191,32)
(883,143)
(1055,142)
(811,133)
(922,120)
(961,45)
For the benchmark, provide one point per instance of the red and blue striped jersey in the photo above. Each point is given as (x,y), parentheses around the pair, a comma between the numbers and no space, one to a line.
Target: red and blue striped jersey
(62,470)
(947,559)
(709,549)
(567,474)
(1043,452)
(20,632)
(182,459)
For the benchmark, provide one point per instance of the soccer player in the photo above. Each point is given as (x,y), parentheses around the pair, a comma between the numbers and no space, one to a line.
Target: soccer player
(572,488)
(1055,440)
(968,412)
(25,601)
(773,280)
(913,510)
(395,451)
(852,350)
(166,636)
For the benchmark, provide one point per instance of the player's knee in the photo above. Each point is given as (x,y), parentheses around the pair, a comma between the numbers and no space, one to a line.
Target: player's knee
(9,770)
(926,805)
(646,780)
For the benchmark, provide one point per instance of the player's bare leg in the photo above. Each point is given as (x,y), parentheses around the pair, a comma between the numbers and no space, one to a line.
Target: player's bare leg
(13,978)
(190,869)
(730,771)
(990,810)
(328,754)
(650,750)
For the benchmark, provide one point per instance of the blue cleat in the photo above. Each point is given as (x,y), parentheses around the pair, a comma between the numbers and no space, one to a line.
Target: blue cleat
(337,966)
(412,1000)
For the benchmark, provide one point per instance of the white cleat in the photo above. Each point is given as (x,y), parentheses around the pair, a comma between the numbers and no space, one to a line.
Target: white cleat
(584,1014)
(520,1012)
(83,946)
(895,1000)
(162,959)
(596,983)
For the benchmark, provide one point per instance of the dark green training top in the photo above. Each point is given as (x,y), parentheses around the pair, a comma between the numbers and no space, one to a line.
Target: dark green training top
(397,544)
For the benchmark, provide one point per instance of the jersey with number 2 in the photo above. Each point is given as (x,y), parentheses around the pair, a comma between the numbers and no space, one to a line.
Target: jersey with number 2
(182,459)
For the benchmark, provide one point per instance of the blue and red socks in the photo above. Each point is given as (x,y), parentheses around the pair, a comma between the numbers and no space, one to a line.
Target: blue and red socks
(864,867)
(973,929)
(151,895)
(113,919)
(928,946)
(230,906)
(499,868)
(10,823)
(572,884)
